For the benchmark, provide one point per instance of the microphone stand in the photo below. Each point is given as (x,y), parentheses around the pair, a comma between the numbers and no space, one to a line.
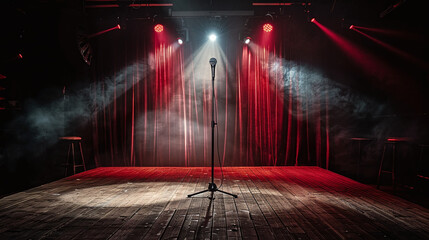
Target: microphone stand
(212,185)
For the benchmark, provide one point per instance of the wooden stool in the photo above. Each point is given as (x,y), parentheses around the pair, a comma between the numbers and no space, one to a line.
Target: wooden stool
(390,142)
(421,174)
(72,141)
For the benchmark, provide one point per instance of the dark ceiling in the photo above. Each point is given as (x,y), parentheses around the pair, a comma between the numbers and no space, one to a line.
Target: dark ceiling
(40,22)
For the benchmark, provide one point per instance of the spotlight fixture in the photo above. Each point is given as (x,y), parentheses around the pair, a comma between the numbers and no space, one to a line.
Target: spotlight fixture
(351,26)
(267,27)
(158,28)
(313,20)
(20,56)
(212,37)
(247,40)
(182,35)
(118,26)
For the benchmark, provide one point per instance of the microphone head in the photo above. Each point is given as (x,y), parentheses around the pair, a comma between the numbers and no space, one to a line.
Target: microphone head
(213,61)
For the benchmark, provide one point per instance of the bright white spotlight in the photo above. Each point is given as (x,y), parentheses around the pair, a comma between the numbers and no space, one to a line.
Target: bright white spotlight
(212,37)
(247,40)
(180,41)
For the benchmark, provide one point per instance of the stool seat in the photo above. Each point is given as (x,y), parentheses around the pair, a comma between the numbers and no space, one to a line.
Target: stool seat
(361,139)
(398,139)
(71,138)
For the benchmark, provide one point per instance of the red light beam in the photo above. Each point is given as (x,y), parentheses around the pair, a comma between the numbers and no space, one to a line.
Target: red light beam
(393,49)
(400,34)
(368,62)
(104,31)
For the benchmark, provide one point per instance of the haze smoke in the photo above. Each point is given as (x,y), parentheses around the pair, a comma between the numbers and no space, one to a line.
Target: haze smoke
(41,124)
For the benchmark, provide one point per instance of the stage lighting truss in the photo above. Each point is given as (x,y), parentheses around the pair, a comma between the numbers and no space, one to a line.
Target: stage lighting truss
(244,36)
(84,45)
(268,25)
(183,35)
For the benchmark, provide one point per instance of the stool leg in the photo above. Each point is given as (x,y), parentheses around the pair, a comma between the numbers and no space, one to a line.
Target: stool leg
(393,167)
(381,167)
(418,167)
(359,159)
(68,160)
(74,162)
(81,155)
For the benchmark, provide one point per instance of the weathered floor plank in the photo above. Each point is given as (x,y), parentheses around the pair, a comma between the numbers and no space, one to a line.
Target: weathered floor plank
(152,203)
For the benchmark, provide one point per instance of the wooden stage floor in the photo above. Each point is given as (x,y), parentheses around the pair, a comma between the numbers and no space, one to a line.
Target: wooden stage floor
(152,203)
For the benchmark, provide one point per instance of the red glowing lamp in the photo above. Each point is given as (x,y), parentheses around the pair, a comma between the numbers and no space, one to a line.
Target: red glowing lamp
(158,28)
(313,20)
(267,27)
(351,27)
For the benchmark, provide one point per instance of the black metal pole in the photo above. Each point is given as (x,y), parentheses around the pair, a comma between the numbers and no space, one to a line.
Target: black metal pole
(213,126)
(212,186)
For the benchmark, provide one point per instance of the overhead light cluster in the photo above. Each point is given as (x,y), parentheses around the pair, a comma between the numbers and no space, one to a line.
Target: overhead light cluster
(249,31)
(181,32)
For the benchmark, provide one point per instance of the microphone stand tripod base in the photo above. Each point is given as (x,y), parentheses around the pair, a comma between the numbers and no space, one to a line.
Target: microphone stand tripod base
(212,188)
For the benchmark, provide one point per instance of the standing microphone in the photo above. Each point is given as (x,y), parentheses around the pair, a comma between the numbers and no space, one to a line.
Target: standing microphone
(213,62)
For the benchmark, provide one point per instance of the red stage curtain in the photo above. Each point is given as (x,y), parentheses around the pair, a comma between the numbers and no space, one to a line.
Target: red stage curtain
(155,110)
